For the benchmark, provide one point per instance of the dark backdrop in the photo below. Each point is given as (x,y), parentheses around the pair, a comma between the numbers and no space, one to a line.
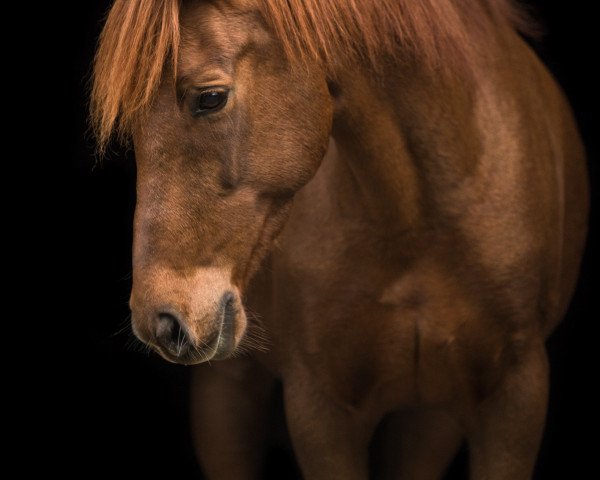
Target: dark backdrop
(130,407)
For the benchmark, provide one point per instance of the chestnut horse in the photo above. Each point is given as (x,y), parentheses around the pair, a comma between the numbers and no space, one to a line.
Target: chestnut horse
(396,188)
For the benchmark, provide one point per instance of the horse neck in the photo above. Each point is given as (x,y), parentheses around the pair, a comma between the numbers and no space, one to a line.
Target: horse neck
(397,139)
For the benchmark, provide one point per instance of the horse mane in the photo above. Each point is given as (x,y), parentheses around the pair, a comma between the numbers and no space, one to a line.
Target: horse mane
(141,36)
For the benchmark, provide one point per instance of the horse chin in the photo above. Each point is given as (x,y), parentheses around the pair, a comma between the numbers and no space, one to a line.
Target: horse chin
(182,359)
(194,356)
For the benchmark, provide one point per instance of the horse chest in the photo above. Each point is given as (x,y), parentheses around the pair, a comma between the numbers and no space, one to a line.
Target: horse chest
(390,339)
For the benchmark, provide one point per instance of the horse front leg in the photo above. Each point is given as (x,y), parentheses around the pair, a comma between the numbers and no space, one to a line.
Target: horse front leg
(505,430)
(330,440)
(229,418)
(416,444)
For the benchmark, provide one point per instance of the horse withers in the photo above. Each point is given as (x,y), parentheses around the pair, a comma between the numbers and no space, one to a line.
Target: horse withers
(397,193)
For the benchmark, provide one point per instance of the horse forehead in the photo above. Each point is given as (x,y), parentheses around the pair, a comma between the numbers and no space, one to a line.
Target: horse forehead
(219,25)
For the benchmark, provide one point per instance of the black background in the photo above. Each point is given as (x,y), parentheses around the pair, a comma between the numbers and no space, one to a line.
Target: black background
(130,408)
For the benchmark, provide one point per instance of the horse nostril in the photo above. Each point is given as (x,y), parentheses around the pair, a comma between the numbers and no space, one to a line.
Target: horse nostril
(169,333)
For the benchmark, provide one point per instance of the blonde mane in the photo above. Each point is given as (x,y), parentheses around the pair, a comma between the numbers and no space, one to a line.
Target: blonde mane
(141,36)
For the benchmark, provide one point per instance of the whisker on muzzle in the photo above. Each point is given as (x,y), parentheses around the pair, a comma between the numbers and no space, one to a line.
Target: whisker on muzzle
(256,337)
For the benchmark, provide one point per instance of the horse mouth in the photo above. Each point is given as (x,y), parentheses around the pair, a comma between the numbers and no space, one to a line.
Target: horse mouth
(186,358)
(218,349)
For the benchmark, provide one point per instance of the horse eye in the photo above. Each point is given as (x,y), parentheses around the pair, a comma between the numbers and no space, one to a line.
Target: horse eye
(210,101)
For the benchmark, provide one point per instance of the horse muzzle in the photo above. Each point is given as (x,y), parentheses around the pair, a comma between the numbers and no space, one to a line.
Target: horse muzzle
(187,323)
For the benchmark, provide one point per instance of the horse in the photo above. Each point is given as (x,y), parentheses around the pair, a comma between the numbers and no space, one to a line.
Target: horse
(392,195)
